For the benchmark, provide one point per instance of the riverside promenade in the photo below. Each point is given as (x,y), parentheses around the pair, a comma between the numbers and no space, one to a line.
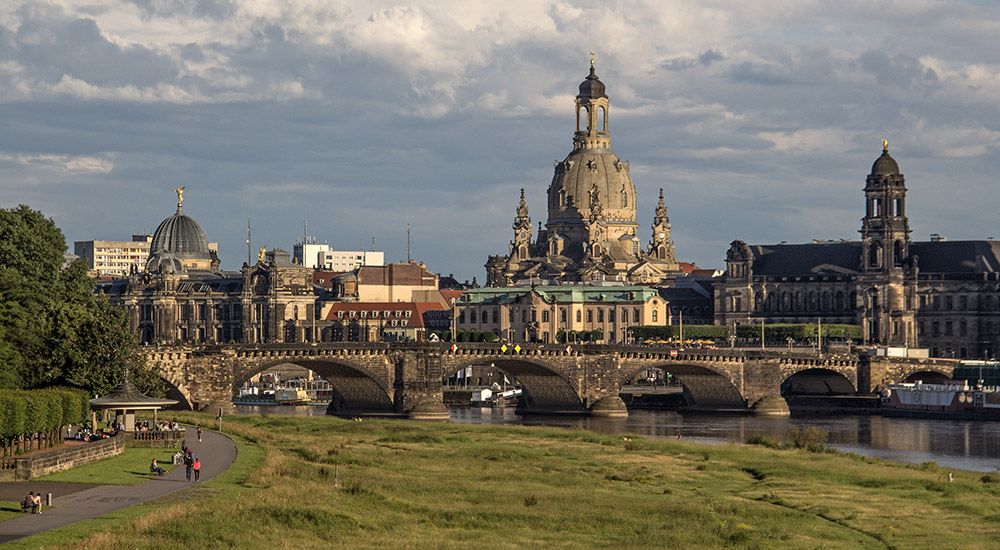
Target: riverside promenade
(217,452)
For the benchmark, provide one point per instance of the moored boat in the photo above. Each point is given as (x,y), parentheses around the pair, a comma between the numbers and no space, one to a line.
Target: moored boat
(952,400)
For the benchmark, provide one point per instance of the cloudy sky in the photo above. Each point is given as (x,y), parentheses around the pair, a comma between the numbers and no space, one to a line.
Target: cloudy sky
(759,119)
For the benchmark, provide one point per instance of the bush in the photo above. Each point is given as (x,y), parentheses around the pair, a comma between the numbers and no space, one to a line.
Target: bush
(811,439)
(28,415)
(799,331)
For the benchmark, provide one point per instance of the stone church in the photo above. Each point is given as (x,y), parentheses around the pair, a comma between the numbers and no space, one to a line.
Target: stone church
(939,294)
(183,297)
(591,234)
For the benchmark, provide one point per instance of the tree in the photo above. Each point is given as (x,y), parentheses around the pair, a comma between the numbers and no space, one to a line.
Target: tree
(53,329)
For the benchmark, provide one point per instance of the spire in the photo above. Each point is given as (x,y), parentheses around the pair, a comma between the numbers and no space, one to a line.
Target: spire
(522,211)
(660,215)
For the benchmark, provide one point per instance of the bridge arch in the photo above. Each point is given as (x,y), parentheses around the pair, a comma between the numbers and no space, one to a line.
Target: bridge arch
(356,389)
(817,381)
(546,389)
(704,387)
(178,392)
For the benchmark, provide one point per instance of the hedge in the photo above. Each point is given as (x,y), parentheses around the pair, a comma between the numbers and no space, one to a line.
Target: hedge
(715,332)
(780,331)
(35,418)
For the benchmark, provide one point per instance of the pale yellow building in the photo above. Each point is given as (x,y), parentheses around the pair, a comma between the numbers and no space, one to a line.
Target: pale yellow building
(558,313)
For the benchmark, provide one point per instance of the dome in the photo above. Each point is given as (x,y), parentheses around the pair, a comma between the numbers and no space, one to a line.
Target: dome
(592,87)
(885,165)
(165,263)
(582,173)
(181,236)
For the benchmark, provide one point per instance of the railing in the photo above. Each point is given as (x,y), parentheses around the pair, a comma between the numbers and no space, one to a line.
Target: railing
(157,435)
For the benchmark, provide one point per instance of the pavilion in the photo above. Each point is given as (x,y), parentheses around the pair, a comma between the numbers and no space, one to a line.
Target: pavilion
(126,400)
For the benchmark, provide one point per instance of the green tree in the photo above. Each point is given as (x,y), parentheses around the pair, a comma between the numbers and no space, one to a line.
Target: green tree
(53,329)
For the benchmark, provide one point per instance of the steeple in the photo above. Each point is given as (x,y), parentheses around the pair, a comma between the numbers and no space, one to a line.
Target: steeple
(885,229)
(520,247)
(661,247)
(592,113)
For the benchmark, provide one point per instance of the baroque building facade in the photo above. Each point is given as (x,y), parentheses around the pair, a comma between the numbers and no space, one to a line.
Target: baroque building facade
(591,234)
(182,295)
(939,294)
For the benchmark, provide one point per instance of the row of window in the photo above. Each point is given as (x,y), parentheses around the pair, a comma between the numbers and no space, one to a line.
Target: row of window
(533,316)
(374,314)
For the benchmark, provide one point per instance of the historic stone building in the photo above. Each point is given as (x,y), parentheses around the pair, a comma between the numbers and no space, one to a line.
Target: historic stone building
(942,295)
(183,296)
(591,234)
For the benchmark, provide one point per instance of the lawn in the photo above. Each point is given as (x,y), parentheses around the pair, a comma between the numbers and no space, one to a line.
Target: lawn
(324,482)
(9,510)
(128,468)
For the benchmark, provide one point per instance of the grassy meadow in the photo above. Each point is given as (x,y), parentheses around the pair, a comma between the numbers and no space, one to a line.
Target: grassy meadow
(325,482)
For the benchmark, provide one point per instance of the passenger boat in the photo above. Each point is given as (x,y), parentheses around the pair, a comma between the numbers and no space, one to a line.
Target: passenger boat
(955,400)
(291,396)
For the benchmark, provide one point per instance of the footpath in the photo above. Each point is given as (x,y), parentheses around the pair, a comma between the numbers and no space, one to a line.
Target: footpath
(217,452)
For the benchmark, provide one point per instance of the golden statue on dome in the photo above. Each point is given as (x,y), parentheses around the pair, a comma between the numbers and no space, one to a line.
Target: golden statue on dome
(180,197)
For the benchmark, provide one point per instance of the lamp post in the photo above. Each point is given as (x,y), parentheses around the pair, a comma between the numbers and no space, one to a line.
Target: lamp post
(454,319)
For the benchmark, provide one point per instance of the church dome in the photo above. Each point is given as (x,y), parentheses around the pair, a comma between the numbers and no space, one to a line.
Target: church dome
(587,173)
(181,236)
(885,165)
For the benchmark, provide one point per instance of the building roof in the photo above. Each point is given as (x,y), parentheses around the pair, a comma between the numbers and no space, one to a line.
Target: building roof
(844,258)
(592,87)
(783,260)
(407,314)
(885,165)
(127,396)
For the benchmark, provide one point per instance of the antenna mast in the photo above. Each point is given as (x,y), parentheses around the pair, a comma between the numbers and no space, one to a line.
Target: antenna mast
(408,258)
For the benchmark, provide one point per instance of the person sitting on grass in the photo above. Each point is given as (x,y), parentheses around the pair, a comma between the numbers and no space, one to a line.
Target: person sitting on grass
(36,504)
(155,468)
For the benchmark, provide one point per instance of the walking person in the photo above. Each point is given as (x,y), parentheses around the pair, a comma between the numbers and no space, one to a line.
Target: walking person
(197,469)
(188,466)
(199,434)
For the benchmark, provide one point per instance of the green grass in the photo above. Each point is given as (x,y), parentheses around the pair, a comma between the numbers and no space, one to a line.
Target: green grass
(128,468)
(324,482)
(9,510)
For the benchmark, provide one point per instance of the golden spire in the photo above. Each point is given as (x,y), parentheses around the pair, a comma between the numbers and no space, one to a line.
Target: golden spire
(592,59)
(180,197)
(885,145)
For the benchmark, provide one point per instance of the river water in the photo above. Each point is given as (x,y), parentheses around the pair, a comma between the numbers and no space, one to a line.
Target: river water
(967,445)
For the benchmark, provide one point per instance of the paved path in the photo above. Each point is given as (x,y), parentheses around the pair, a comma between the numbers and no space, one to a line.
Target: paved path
(217,452)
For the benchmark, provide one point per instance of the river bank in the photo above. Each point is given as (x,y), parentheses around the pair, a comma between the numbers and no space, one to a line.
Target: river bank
(393,483)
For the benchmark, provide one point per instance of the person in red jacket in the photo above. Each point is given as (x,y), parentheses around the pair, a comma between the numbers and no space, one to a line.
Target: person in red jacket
(196,466)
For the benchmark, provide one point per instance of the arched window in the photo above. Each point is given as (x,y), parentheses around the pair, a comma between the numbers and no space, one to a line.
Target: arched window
(604,119)
(656,315)
(897,253)
(579,316)
(624,197)
(874,254)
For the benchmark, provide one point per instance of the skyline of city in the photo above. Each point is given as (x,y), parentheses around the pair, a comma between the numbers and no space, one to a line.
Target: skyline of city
(271,115)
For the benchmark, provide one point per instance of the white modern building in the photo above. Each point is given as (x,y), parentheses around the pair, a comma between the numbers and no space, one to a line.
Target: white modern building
(115,258)
(321,256)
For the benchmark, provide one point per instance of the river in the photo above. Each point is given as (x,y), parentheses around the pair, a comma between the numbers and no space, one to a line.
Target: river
(966,445)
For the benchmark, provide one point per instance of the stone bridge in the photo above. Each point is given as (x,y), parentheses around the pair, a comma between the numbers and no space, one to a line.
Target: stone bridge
(406,379)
